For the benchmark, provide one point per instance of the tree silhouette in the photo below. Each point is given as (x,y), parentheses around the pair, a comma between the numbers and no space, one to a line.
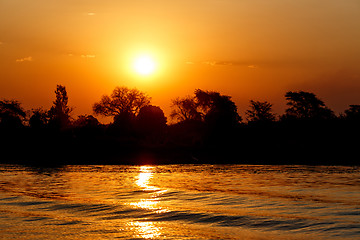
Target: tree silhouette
(205,100)
(305,105)
(208,106)
(59,113)
(260,112)
(11,113)
(151,122)
(216,109)
(123,101)
(184,109)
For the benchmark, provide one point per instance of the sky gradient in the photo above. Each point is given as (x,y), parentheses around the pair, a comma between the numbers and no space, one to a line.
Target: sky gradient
(249,49)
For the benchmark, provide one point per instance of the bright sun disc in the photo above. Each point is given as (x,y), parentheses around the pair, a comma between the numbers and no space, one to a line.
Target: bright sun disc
(144,65)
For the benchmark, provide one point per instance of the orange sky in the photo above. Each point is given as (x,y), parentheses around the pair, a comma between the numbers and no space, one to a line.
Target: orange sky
(249,49)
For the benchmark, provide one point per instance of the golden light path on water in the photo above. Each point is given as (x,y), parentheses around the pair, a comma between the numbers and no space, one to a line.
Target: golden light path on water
(146,173)
(180,202)
(144,229)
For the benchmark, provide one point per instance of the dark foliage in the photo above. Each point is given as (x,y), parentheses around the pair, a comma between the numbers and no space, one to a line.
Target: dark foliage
(151,123)
(184,109)
(12,114)
(207,106)
(88,121)
(219,110)
(305,105)
(208,130)
(39,118)
(353,113)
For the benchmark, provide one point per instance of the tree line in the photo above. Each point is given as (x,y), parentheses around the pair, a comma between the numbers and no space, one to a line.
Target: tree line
(206,128)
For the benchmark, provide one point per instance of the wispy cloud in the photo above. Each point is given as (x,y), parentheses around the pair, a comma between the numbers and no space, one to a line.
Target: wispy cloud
(91,14)
(221,63)
(88,56)
(25,59)
(224,63)
(75,55)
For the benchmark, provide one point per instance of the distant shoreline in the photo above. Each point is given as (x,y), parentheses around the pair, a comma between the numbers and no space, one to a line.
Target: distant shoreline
(168,156)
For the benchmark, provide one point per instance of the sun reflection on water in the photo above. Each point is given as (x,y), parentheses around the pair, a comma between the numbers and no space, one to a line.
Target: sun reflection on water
(146,229)
(146,173)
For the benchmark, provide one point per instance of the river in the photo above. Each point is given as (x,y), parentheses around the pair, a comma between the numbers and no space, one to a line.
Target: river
(180,202)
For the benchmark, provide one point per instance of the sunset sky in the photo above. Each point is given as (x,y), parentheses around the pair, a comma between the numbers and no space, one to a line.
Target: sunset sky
(249,49)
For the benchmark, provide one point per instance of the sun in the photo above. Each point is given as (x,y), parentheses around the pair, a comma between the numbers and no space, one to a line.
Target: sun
(144,65)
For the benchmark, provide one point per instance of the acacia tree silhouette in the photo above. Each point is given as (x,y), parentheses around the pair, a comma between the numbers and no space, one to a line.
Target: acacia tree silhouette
(260,112)
(123,100)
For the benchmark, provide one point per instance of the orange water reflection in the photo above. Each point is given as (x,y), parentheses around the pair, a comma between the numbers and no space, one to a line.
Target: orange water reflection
(147,230)
(146,173)
(144,229)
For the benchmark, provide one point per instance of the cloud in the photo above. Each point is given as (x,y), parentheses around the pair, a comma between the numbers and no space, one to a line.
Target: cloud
(225,63)
(1,43)
(230,63)
(91,14)
(25,59)
(88,56)
(74,55)
(219,63)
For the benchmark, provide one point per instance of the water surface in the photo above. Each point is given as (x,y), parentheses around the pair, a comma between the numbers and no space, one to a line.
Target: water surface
(180,202)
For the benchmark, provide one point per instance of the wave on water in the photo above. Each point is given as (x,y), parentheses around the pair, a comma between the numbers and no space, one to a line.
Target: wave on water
(150,203)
